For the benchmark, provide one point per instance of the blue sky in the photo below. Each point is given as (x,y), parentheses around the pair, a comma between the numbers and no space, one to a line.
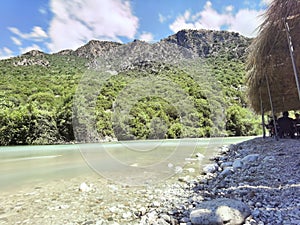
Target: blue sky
(54,25)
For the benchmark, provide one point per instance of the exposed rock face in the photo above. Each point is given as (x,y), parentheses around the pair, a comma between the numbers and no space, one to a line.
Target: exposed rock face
(34,53)
(204,43)
(66,52)
(95,48)
(33,57)
(219,212)
(32,61)
(211,43)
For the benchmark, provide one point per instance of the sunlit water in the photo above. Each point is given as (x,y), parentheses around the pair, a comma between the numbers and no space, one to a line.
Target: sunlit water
(141,160)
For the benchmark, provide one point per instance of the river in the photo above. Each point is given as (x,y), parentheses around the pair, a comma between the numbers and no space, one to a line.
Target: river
(132,162)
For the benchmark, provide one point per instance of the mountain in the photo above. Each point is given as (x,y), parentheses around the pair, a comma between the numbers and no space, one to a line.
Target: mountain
(92,49)
(42,95)
(207,43)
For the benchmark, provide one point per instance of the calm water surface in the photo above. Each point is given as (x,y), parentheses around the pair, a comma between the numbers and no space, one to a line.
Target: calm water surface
(22,165)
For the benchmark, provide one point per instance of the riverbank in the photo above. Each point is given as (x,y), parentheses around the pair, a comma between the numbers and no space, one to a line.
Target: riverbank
(269,183)
(262,173)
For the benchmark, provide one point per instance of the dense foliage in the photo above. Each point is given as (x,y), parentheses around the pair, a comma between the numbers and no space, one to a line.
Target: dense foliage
(36,102)
(230,72)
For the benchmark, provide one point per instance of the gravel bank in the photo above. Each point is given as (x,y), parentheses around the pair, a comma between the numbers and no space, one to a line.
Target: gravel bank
(262,173)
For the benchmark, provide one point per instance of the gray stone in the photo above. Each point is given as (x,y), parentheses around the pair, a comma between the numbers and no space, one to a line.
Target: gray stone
(127,215)
(210,168)
(258,204)
(255,213)
(226,164)
(156,204)
(100,222)
(227,171)
(166,217)
(225,149)
(219,212)
(237,164)
(185,220)
(88,223)
(161,221)
(143,210)
(250,158)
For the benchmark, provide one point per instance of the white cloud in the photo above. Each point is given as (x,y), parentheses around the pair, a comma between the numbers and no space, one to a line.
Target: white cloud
(206,19)
(229,8)
(5,53)
(162,18)
(182,22)
(211,19)
(16,41)
(266,2)
(43,11)
(29,48)
(37,33)
(146,36)
(245,21)
(77,21)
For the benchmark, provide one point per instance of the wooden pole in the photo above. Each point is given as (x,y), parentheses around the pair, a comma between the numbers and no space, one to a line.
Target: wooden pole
(271,104)
(262,115)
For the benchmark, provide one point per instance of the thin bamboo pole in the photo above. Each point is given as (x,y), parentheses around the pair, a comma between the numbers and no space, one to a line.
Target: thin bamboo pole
(291,49)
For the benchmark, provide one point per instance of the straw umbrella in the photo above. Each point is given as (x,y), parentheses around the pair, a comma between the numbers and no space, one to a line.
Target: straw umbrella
(274,60)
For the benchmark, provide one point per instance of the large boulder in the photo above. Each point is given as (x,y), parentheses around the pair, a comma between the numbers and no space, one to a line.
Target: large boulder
(219,212)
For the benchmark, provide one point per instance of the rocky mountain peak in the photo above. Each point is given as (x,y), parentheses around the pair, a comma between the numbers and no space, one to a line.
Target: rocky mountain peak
(211,43)
(65,52)
(204,43)
(95,48)
(33,57)
(34,53)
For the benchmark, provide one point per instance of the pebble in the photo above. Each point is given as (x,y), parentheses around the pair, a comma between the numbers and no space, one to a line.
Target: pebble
(84,187)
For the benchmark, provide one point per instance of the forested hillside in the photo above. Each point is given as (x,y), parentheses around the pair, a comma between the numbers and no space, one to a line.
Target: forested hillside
(42,95)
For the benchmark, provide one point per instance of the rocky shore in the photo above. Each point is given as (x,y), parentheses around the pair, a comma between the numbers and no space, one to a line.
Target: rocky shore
(255,182)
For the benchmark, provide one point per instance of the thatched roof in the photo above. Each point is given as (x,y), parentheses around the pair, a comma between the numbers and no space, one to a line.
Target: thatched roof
(269,59)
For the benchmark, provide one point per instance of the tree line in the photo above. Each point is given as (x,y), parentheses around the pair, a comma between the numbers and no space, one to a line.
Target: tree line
(37,102)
